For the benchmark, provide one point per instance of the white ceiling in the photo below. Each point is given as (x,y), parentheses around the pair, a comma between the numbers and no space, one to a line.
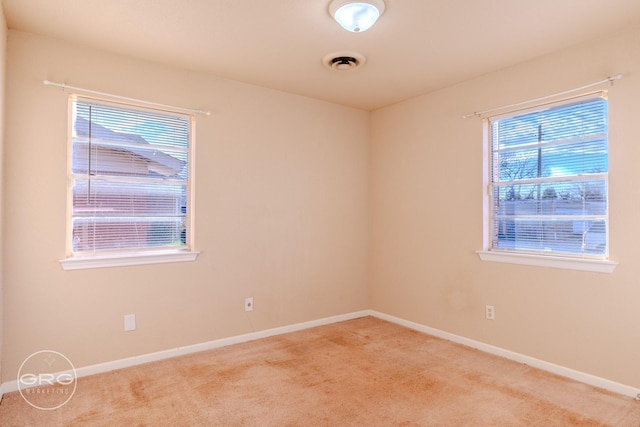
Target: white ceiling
(417,46)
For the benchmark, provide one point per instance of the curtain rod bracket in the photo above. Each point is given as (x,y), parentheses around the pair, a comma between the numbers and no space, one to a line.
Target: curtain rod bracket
(612,79)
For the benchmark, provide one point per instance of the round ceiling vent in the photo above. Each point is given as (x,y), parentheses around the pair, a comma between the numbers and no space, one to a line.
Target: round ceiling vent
(343,61)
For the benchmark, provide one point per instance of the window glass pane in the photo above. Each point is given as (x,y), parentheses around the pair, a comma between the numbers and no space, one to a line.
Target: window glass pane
(549,177)
(129,170)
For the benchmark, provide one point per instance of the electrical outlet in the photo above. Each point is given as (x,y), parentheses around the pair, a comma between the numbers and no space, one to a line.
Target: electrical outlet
(489,312)
(129,322)
(248,304)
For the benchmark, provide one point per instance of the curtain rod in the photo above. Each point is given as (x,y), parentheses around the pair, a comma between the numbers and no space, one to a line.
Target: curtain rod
(607,80)
(155,104)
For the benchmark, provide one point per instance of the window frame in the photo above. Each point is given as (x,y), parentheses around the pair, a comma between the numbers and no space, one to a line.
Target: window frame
(115,258)
(601,264)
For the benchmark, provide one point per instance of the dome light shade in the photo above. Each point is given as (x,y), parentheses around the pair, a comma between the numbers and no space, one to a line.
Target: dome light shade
(356,16)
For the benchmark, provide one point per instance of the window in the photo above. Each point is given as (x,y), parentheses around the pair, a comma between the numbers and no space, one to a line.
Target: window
(548,181)
(129,182)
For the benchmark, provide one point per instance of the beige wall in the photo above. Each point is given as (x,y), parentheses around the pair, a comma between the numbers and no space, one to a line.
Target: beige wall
(281,206)
(426,187)
(3,52)
(285,213)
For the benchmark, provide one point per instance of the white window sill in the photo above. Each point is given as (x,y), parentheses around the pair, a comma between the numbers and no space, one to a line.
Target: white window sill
(125,259)
(583,264)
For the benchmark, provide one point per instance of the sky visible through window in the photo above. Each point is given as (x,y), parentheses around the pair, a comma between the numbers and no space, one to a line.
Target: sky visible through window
(520,138)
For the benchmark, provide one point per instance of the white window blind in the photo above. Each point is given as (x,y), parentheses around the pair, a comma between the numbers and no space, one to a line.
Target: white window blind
(549,180)
(129,179)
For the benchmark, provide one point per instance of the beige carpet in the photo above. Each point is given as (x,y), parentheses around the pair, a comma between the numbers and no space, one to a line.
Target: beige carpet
(363,372)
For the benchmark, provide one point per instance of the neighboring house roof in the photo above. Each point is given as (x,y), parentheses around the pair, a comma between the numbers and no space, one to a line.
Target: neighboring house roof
(103,138)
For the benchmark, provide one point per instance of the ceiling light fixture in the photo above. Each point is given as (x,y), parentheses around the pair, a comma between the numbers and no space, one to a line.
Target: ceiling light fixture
(356,16)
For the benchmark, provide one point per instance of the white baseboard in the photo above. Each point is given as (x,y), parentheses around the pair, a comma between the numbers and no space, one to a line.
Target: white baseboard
(11,386)
(592,380)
